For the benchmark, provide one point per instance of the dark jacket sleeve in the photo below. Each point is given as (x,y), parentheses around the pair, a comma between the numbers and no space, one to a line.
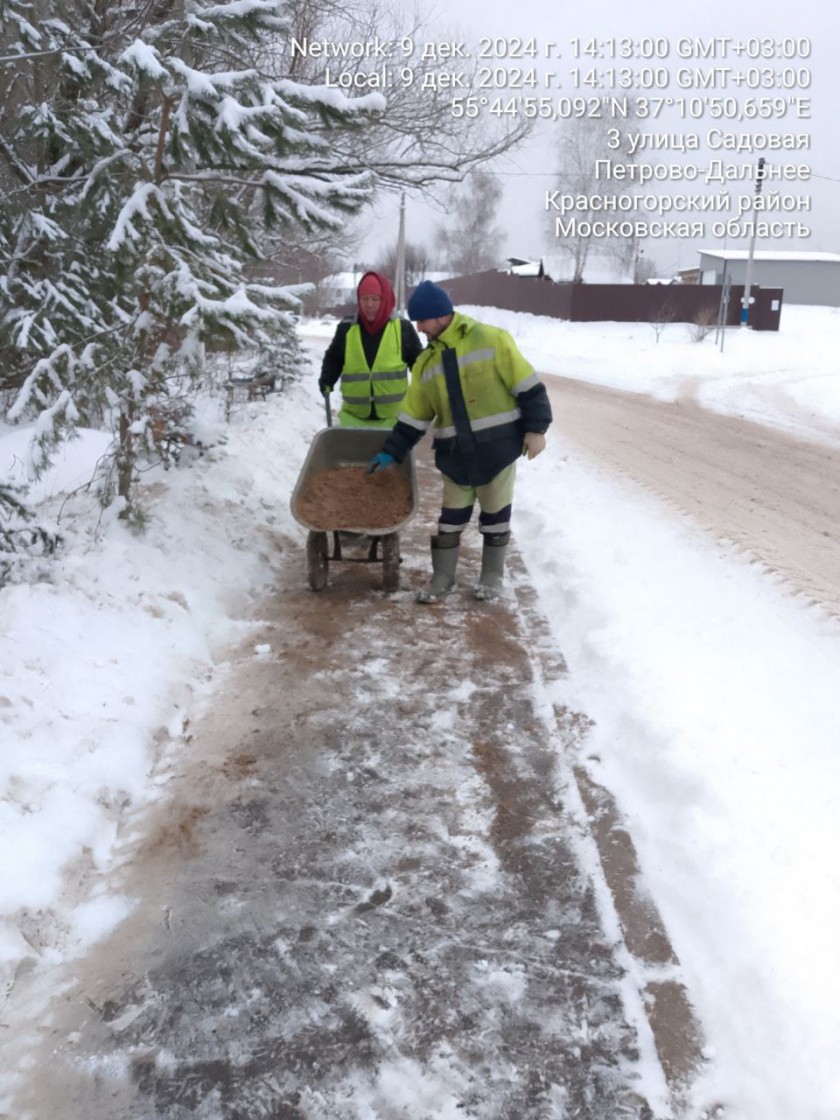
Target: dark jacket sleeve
(535,408)
(404,436)
(401,439)
(333,361)
(412,347)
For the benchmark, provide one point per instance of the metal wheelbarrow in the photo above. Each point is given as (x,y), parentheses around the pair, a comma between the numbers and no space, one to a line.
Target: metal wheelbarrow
(350,447)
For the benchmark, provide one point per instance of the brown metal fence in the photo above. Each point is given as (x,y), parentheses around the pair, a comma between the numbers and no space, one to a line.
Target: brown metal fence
(622,303)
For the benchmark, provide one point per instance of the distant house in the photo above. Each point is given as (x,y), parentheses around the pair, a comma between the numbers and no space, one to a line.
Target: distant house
(517,266)
(689,275)
(339,288)
(804,277)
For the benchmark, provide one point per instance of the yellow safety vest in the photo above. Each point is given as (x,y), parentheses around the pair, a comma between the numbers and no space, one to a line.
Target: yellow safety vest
(382,385)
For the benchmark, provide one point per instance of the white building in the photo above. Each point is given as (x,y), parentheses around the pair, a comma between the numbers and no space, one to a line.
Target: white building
(812,278)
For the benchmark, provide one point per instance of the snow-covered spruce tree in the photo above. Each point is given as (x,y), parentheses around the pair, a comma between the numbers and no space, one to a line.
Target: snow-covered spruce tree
(133,145)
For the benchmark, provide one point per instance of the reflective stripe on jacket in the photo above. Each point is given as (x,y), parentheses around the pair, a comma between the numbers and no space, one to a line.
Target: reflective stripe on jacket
(503,398)
(383,385)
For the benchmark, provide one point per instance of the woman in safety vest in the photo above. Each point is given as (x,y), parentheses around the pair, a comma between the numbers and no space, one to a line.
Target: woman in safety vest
(371,354)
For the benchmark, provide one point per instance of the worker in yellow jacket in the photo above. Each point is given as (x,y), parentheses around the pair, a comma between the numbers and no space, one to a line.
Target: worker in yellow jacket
(488,407)
(371,354)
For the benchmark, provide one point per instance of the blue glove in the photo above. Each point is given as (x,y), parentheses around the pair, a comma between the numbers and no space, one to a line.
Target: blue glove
(382,459)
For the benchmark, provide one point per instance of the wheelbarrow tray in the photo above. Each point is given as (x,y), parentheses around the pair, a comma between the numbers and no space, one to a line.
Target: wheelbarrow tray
(350,447)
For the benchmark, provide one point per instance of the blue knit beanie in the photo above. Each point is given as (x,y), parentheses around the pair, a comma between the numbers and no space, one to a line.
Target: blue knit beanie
(428,301)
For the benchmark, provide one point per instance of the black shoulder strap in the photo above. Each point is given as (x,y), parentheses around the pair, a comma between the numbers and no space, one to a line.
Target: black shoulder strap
(460,418)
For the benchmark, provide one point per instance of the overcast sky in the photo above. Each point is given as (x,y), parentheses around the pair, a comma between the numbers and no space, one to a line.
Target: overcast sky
(527,171)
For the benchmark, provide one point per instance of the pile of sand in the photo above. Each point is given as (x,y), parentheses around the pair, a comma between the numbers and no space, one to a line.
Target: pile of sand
(348,498)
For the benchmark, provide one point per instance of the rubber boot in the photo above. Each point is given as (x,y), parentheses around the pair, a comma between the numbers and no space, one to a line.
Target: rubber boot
(445,550)
(489,584)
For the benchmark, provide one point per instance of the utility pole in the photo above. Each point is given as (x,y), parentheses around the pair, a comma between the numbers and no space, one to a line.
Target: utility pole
(400,277)
(723,308)
(745,305)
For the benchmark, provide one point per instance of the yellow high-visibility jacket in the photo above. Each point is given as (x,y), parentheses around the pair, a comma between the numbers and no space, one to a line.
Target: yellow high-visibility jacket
(501,398)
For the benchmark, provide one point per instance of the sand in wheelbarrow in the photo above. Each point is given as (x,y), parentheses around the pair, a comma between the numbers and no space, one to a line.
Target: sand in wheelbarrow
(348,498)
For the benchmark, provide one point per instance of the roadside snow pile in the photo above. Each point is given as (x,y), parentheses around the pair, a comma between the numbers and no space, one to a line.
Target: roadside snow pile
(105,659)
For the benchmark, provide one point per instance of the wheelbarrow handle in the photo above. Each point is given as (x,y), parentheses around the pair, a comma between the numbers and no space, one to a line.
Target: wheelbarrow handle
(328,408)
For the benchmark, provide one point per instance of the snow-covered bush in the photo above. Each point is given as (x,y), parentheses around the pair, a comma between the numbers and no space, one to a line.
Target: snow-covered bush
(24,541)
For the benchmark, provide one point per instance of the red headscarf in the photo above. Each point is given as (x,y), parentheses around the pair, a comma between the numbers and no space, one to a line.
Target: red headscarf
(375,284)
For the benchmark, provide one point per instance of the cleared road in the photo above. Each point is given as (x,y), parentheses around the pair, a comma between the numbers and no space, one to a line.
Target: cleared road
(774,496)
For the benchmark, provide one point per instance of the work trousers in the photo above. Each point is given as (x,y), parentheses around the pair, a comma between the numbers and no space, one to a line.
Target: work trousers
(495,501)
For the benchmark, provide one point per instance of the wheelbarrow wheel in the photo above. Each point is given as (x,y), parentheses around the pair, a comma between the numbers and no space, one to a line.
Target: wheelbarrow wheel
(391,561)
(316,560)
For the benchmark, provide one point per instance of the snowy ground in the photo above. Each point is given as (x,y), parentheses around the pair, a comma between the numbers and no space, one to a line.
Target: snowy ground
(713,693)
